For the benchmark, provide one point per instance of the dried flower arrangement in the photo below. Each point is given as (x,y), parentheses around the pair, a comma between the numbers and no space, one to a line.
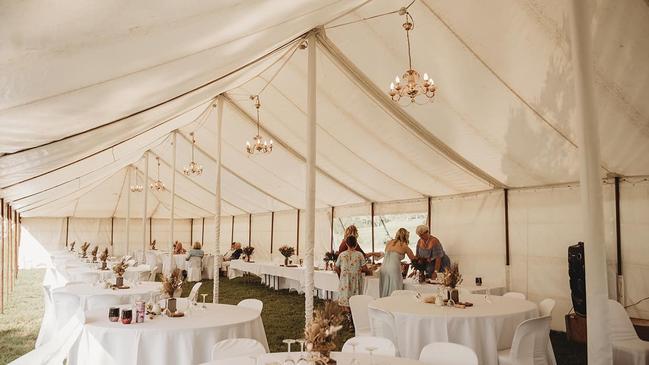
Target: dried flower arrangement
(331,256)
(322,330)
(84,249)
(120,268)
(152,244)
(287,251)
(419,264)
(248,251)
(72,245)
(93,253)
(452,276)
(172,283)
(104,255)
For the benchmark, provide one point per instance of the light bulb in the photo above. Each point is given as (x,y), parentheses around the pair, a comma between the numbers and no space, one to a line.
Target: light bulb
(391,86)
(397,79)
(425,76)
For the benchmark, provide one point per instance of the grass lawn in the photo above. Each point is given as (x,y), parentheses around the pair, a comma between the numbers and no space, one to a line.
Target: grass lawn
(283,316)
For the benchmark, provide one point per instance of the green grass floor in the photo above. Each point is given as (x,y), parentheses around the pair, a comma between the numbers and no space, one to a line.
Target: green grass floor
(283,316)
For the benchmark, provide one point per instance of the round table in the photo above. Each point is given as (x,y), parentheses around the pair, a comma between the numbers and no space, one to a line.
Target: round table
(486,327)
(343,358)
(83,291)
(183,341)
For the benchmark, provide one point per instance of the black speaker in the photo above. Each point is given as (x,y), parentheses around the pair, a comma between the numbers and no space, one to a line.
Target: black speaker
(577,272)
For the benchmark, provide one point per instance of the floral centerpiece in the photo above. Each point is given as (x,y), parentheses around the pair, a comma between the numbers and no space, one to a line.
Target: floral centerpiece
(247,252)
(84,249)
(330,258)
(119,269)
(287,251)
(72,246)
(103,257)
(419,265)
(152,245)
(170,285)
(451,279)
(93,253)
(322,330)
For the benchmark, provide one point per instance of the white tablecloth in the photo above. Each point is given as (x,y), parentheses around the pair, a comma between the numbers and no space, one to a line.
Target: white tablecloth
(83,291)
(485,327)
(174,341)
(341,357)
(372,287)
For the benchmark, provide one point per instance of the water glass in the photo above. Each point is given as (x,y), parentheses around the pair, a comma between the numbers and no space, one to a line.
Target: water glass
(371,350)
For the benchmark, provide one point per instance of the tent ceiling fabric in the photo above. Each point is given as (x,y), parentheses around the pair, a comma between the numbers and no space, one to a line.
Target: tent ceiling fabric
(87,92)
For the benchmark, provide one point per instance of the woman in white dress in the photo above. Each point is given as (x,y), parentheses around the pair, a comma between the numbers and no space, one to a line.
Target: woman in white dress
(395,250)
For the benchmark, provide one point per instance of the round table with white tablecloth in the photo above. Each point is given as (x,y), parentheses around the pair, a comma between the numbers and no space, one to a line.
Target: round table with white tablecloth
(486,327)
(174,341)
(84,291)
(343,358)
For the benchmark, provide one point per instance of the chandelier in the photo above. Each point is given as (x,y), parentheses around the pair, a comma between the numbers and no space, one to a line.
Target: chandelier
(411,85)
(158,185)
(136,188)
(259,145)
(193,168)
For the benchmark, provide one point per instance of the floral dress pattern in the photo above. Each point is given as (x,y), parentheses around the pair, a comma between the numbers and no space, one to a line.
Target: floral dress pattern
(350,264)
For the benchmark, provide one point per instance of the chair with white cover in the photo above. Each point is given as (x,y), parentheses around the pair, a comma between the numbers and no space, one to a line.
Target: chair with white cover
(102,301)
(448,353)
(628,348)
(382,325)
(545,309)
(404,292)
(194,268)
(514,295)
(237,347)
(47,323)
(193,294)
(168,264)
(360,344)
(529,345)
(358,305)
(254,304)
(151,258)
(87,277)
(65,305)
(152,274)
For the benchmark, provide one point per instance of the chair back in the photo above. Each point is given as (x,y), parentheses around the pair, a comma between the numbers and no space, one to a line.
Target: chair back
(65,305)
(193,294)
(102,301)
(404,292)
(167,264)
(619,323)
(153,273)
(194,268)
(448,353)
(531,341)
(237,347)
(360,344)
(382,324)
(514,295)
(360,315)
(254,304)
(546,306)
(151,258)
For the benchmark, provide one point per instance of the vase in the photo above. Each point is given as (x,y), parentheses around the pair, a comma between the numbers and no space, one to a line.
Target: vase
(171,305)
(421,275)
(103,265)
(285,261)
(455,295)
(119,281)
(247,258)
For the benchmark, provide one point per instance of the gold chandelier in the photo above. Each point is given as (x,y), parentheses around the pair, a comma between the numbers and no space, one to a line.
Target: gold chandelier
(193,168)
(259,145)
(136,188)
(158,185)
(411,85)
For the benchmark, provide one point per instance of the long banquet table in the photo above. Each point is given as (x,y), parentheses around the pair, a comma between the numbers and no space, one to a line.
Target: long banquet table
(343,358)
(486,327)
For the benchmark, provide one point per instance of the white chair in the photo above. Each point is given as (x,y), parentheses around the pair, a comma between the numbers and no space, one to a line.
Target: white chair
(102,301)
(447,353)
(87,277)
(358,305)
(237,347)
(254,304)
(545,309)
(193,294)
(151,258)
(194,268)
(514,295)
(47,323)
(382,325)
(628,348)
(153,273)
(168,264)
(360,344)
(529,345)
(65,305)
(404,292)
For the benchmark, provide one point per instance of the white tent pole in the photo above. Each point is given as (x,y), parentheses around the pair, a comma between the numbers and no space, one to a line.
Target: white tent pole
(173,192)
(217,204)
(128,206)
(146,198)
(310,178)
(599,345)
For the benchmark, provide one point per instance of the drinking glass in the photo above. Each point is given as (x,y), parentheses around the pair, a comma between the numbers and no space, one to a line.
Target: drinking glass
(204,306)
(371,350)
(288,360)
(353,344)
(301,360)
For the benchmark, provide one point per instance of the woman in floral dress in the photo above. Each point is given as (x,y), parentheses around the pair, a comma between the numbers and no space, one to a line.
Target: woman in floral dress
(350,267)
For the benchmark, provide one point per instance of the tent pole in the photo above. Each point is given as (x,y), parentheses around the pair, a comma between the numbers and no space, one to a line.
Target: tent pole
(217,204)
(272,228)
(2,256)
(249,229)
(331,231)
(599,344)
(508,278)
(9,256)
(67,229)
(372,222)
(150,224)
(232,231)
(146,200)
(173,193)
(16,242)
(191,232)
(618,243)
(128,207)
(18,235)
(112,226)
(297,233)
(203,232)
(310,176)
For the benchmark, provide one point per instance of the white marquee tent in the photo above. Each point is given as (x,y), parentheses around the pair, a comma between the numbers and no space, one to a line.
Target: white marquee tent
(88,89)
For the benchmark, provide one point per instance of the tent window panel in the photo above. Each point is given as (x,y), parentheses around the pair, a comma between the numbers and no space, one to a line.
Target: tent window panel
(359,215)
(284,232)
(389,217)
(261,237)
(241,224)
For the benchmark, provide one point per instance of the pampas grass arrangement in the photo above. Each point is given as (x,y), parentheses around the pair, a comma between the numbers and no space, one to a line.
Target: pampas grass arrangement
(172,283)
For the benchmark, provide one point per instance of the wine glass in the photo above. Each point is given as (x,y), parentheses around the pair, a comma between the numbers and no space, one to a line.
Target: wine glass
(301,360)
(353,344)
(288,360)
(371,350)
(204,307)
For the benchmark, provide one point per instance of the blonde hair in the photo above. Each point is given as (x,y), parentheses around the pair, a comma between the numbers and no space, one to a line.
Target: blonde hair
(402,236)
(421,229)
(351,231)
(197,245)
